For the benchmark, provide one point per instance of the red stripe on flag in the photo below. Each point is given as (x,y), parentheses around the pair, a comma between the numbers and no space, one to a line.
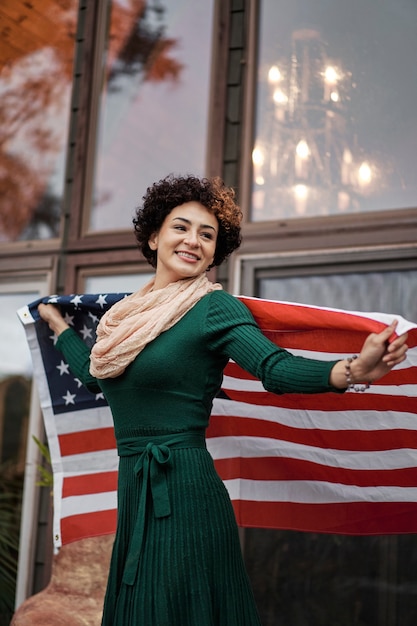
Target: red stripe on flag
(327,402)
(86,441)
(89,483)
(352,518)
(85,525)
(358,440)
(291,316)
(399,376)
(286,469)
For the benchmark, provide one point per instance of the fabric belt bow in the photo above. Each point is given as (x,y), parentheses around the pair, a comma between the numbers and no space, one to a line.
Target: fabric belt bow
(154,458)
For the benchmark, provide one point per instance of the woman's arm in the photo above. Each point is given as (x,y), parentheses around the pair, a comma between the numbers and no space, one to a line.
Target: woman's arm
(231,329)
(75,351)
(52,316)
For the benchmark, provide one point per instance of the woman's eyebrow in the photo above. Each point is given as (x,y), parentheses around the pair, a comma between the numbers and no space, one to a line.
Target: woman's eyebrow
(187,221)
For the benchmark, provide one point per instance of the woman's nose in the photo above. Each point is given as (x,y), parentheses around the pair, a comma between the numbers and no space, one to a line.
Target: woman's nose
(192,238)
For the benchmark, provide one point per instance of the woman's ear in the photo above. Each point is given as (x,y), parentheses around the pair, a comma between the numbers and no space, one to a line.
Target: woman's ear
(153,241)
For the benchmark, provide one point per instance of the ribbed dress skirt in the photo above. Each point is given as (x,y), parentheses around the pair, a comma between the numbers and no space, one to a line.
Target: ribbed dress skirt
(176,559)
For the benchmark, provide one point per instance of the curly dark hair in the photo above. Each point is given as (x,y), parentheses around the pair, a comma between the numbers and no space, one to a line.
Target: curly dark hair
(164,196)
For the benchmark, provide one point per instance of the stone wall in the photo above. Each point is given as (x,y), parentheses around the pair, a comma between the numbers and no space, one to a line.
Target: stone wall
(74,596)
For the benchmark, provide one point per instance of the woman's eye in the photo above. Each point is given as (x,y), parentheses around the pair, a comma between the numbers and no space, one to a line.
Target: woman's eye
(207,235)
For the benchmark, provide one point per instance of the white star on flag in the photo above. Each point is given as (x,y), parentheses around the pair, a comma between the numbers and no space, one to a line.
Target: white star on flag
(63,368)
(76,300)
(69,319)
(86,332)
(101,300)
(93,317)
(69,398)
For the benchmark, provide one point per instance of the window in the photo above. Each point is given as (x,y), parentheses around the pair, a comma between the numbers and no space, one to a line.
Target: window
(153,116)
(335,121)
(115,283)
(36,68)
(322,580)
(20,419)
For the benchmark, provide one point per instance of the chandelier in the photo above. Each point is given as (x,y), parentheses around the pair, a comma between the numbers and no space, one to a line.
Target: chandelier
(306,158)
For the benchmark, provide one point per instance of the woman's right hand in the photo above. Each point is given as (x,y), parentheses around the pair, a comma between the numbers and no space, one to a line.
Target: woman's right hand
(52,316)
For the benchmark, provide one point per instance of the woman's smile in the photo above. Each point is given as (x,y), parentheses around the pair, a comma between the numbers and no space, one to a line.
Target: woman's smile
(188,256)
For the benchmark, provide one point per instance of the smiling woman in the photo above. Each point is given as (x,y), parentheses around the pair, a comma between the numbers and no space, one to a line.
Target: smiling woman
(172,192)
(158,359)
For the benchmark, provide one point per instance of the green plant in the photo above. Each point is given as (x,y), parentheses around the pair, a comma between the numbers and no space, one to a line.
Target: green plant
(46,476)
(11,485)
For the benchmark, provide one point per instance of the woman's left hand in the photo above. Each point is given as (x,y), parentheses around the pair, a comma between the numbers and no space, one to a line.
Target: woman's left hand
(378,355)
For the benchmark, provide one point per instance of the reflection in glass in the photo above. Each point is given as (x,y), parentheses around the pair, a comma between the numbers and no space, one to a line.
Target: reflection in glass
(15,391)
(115,283)
(387,292)
(332,136)
(154,107)
(36,55)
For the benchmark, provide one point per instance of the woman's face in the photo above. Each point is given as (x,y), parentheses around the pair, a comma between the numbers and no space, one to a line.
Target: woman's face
(185,244)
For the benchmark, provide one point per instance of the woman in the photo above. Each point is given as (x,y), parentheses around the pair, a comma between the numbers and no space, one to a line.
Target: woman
(159,358)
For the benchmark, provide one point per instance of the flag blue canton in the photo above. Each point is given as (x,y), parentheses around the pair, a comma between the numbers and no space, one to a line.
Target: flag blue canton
(82,313)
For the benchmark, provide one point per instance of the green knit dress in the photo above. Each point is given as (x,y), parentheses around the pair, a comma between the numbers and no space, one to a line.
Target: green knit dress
(176,558)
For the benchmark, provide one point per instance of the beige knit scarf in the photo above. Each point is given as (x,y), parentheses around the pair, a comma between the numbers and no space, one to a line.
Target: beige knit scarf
(130,324)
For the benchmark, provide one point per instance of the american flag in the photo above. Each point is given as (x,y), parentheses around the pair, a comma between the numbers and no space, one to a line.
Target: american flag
(333,463)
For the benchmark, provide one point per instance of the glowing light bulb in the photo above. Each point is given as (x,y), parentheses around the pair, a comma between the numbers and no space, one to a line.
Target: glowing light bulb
(302,149)
(301,192)
(257,156)
(274,75)
(365,174)
(330,75)
(280,97)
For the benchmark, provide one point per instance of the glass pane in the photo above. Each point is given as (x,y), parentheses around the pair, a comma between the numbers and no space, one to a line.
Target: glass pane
(36,59)
(116,283)
(340,579)
(327,580)
(386,292)
(154,107)
(15,378)
(335,122)
(15,393)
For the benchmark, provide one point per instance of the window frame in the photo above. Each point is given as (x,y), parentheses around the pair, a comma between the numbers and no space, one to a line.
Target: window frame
(85,106)
(15,277)
(396,226)
(247,268)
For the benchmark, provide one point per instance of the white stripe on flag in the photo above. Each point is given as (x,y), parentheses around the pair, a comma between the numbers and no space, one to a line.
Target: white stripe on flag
(313,492)
(91,462)
(83,420)
(91,503)
(243,384)
(258,447)
(366,420)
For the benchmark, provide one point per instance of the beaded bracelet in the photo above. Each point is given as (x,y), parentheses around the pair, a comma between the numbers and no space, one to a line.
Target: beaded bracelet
(352,386)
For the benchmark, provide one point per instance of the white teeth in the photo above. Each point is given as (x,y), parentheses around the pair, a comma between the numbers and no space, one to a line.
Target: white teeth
(188,256)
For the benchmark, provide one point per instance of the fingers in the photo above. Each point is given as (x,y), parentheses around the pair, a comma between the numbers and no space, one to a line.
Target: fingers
(45,311)
(396,350)
(388,331)
(396,354)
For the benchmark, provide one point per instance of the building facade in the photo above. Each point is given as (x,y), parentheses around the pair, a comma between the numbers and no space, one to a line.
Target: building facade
(307,109)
